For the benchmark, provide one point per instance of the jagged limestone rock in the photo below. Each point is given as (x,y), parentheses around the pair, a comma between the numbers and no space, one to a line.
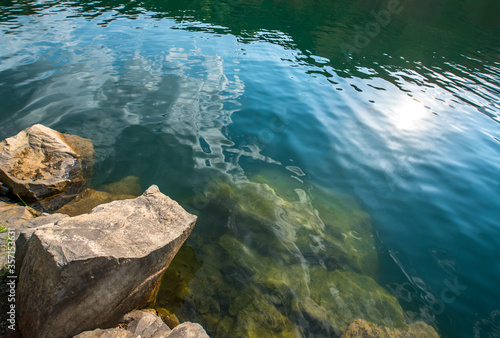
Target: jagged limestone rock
(88,271)
(40,162)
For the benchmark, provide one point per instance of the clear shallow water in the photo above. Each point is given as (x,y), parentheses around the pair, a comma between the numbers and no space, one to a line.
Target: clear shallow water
(407,125)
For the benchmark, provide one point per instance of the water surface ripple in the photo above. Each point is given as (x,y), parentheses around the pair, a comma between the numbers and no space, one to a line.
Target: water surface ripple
(262,118)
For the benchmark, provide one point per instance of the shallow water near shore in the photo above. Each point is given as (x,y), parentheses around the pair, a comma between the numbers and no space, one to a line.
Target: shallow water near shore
(343,157)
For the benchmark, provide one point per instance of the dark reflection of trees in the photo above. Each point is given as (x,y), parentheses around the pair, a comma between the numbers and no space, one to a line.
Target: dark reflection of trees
(423,30)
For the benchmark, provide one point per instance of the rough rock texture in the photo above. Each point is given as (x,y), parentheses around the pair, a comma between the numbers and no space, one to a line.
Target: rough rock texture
(11,217)
(188,330)
(87,271)
(109,333)
(360,328)
(147,324)
(40,162)
(11,214)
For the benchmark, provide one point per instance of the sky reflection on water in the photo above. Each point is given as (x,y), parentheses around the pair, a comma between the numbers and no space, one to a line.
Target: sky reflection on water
(408,124)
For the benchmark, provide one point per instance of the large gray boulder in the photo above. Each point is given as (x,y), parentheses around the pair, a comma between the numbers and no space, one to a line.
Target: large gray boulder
(87,271)
(40,162)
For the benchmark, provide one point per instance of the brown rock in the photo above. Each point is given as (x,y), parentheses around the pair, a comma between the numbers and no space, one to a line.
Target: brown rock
(40,162)
(360,328)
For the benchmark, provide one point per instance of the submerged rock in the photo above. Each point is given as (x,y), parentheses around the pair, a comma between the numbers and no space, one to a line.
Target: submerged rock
(286,263)
(40,162)
(126,188)
(88,200)
(88,271)
(362,328)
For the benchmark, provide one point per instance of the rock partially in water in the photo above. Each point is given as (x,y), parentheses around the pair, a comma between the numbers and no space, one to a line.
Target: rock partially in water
(362,328)
(40,162)
(88,271)
(146,324)
(88,200)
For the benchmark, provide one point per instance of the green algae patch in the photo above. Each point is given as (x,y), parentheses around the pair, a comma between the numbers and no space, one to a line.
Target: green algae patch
(348,295)
(324,230)
(281,262)
(126,186)
(174,284)
(88,200)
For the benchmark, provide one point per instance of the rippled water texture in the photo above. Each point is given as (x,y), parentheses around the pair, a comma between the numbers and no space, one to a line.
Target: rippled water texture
(343,156)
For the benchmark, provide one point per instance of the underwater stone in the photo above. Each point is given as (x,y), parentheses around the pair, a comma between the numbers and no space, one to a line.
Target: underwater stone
(40,162)
(348,295)
(88,271)
(88,200)
(330,299)
(126,186)
(362,328)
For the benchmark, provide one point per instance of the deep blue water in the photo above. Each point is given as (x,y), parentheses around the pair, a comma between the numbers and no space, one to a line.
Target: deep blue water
(405,121)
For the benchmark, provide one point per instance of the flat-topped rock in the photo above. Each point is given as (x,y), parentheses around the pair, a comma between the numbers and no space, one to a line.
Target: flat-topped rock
(84,272)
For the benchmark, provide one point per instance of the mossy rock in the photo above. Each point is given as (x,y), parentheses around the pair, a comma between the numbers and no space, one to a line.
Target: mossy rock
(283,263)
(330,299)
(256,316)
(126,186)
(88,200)
(174,284)
(348,295)
(329,232)
(363,328)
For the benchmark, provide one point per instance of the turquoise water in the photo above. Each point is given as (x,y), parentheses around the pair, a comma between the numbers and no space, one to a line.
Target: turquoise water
(391,108)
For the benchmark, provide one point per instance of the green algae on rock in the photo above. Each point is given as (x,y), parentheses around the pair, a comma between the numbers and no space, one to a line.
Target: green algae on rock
(286,263)
(126,186)
(362,328)
(88,200)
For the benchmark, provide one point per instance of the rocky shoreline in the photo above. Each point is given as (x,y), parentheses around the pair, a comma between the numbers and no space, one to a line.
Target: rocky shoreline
(87,259)
(88,268)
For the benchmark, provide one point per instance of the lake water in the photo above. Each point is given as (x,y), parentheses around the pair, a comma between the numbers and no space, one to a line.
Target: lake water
(343,156)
